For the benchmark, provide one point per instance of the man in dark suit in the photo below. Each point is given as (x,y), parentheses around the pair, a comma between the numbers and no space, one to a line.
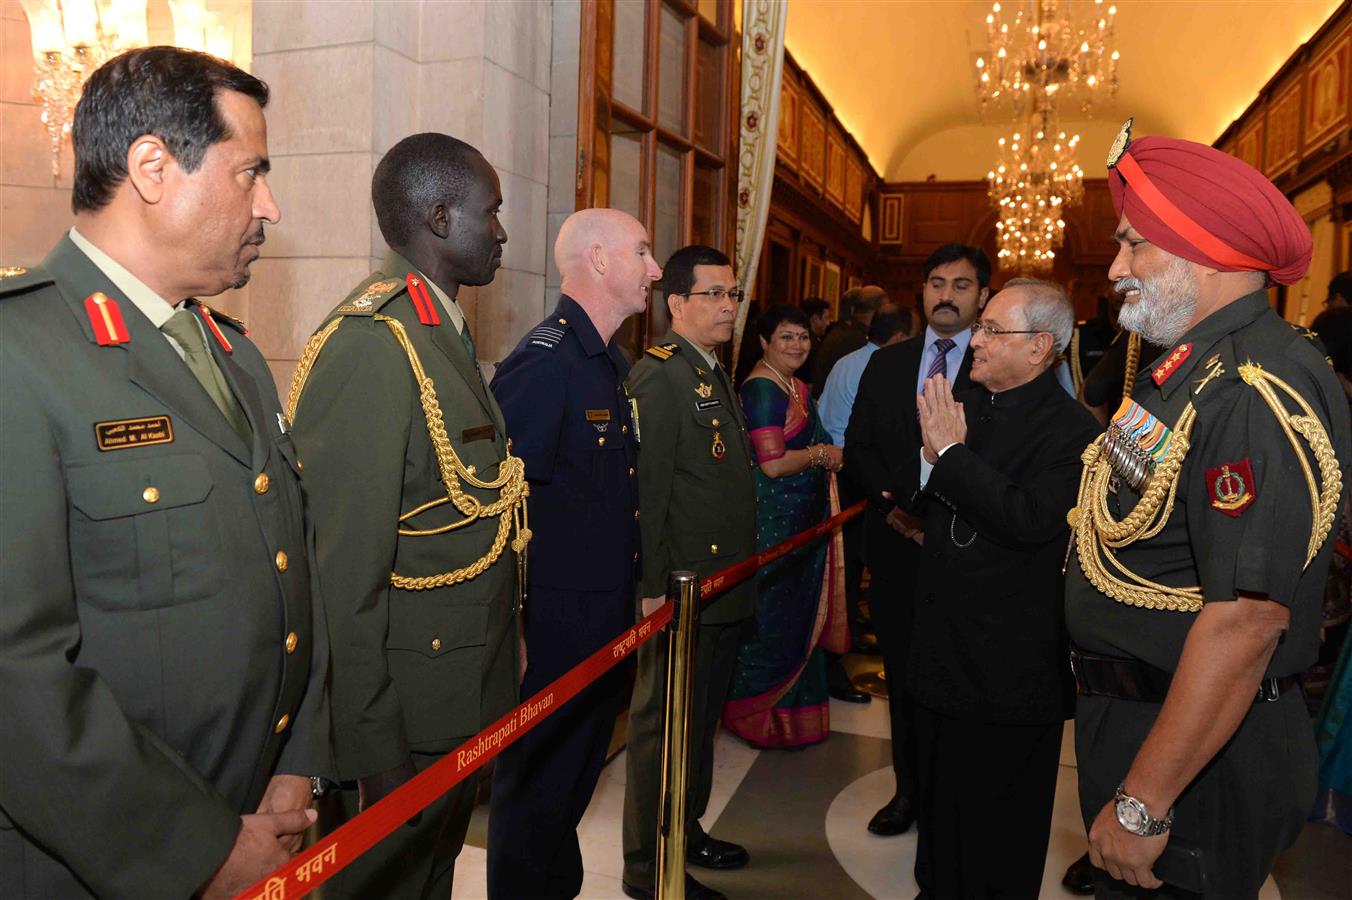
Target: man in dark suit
(847,335)
(997,471)
(162,655)
(883,437)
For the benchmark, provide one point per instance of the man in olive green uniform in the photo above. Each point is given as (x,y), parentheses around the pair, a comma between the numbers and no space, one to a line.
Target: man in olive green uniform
(421,593)
(1202,537)
(697,505)
(162,657)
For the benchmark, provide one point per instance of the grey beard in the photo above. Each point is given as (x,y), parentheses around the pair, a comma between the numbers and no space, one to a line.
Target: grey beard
(1166,305)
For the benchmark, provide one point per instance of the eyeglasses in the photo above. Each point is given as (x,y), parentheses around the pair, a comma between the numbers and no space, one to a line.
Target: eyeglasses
(736,295)
(990,330)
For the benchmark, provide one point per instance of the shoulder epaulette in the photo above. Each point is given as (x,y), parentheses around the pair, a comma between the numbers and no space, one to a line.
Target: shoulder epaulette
(369,296)
(18,280)
(664,352)
(226,318)
(1303,331)
(548,333)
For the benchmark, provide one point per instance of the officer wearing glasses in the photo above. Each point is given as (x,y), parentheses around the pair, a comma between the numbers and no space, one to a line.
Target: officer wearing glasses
(697,497)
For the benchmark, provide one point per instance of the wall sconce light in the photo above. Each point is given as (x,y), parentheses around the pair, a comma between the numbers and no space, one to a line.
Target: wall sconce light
(72,38)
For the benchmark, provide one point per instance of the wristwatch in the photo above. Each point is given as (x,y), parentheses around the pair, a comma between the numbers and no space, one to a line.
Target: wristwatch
(1132,815)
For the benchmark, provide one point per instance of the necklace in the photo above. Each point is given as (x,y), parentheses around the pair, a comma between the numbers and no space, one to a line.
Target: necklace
(788,386)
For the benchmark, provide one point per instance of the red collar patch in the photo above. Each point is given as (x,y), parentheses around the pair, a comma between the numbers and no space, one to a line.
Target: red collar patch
(106,320)
(422,300)
(1230,487)
(1171,364)
(215,329)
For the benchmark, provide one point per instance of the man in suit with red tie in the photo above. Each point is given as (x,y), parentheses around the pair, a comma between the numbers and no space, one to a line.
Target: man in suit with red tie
(883,434)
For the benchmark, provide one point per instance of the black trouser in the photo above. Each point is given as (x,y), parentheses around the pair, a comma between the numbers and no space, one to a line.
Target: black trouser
(416,861)
(891,599)
(984,807)
(1246,807)
(715,660)
(543,782)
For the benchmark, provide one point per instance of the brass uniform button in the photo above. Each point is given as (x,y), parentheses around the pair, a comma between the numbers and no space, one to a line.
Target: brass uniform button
(299,465)
(624,429)
(281,560)
(563,321)
(600,442)
(291,642)
(262,483)
(635,515)
(715,422)
(631,471)
(151,494)
(713,548)
(635,557)
(436,644)
(284,721)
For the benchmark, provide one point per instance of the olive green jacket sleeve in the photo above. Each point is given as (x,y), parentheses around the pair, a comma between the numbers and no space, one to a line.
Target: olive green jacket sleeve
(352,429)
(659,432)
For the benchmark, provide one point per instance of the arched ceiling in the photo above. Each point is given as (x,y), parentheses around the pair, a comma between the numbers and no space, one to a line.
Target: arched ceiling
(900,73)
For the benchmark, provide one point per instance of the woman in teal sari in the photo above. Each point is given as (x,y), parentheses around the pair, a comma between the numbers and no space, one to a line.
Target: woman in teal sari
(779,693)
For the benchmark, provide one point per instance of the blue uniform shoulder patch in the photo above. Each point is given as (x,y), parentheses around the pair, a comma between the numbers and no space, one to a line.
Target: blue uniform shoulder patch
(548,333)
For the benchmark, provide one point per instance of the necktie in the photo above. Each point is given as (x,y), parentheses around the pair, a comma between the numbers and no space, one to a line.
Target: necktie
(183,328)
(468,340)
(940,364)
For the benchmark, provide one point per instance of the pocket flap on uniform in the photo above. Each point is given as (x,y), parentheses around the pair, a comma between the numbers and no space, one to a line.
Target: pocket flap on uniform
(435,631)
(111,490)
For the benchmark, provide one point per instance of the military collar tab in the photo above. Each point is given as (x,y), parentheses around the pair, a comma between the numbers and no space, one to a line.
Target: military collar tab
(1201,338)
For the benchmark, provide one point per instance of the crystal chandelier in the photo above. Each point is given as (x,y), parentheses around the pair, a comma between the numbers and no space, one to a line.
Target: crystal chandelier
(1048,47)
(72,38)
(1035,178)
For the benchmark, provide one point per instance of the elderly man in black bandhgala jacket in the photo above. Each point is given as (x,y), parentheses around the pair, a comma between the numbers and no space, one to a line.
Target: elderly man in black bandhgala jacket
(987,666)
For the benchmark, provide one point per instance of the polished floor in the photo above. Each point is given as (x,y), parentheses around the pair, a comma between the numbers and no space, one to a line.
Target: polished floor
(802,816)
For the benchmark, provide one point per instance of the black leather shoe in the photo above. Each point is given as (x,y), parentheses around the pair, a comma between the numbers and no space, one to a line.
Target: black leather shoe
(715,854)
(1079,878)
(894,818)
(693,891)
(848,694)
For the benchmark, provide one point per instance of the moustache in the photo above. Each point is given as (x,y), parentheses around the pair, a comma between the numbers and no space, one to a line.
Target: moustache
(944,304)
(1122,285)
(257,237)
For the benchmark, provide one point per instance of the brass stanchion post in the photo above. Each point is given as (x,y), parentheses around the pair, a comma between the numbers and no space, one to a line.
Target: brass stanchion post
(683,593)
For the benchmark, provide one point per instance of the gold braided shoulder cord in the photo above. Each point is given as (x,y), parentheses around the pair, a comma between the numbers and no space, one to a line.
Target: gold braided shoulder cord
(1323,496)
(509,508)
(1133,363)
(1097,533)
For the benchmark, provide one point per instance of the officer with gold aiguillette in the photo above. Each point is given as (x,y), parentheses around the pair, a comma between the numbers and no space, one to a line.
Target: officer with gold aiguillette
(1201,537)
(421,509)
(697,500)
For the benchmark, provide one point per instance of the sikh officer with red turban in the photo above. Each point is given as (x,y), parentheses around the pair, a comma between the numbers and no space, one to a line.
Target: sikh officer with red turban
(1201,537)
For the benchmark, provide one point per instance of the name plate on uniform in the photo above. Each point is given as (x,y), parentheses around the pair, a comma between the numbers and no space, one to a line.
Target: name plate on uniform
(126,433)
(478,433)
(598,415)
(702,405)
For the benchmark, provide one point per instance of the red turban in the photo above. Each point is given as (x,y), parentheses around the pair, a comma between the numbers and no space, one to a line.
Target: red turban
(1209,207)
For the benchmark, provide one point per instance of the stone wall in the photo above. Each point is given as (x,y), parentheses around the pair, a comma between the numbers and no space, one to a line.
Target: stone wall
(349,78)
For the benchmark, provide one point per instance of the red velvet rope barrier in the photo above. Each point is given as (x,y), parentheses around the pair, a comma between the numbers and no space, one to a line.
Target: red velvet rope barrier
(312,867)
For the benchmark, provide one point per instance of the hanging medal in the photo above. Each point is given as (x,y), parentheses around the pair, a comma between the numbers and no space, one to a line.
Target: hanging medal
(719,449)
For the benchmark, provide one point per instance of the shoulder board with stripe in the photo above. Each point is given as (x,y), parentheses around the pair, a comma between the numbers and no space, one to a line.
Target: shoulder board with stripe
(547,334)
(664,352)
(18,280)
(370,295)
(226,318)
